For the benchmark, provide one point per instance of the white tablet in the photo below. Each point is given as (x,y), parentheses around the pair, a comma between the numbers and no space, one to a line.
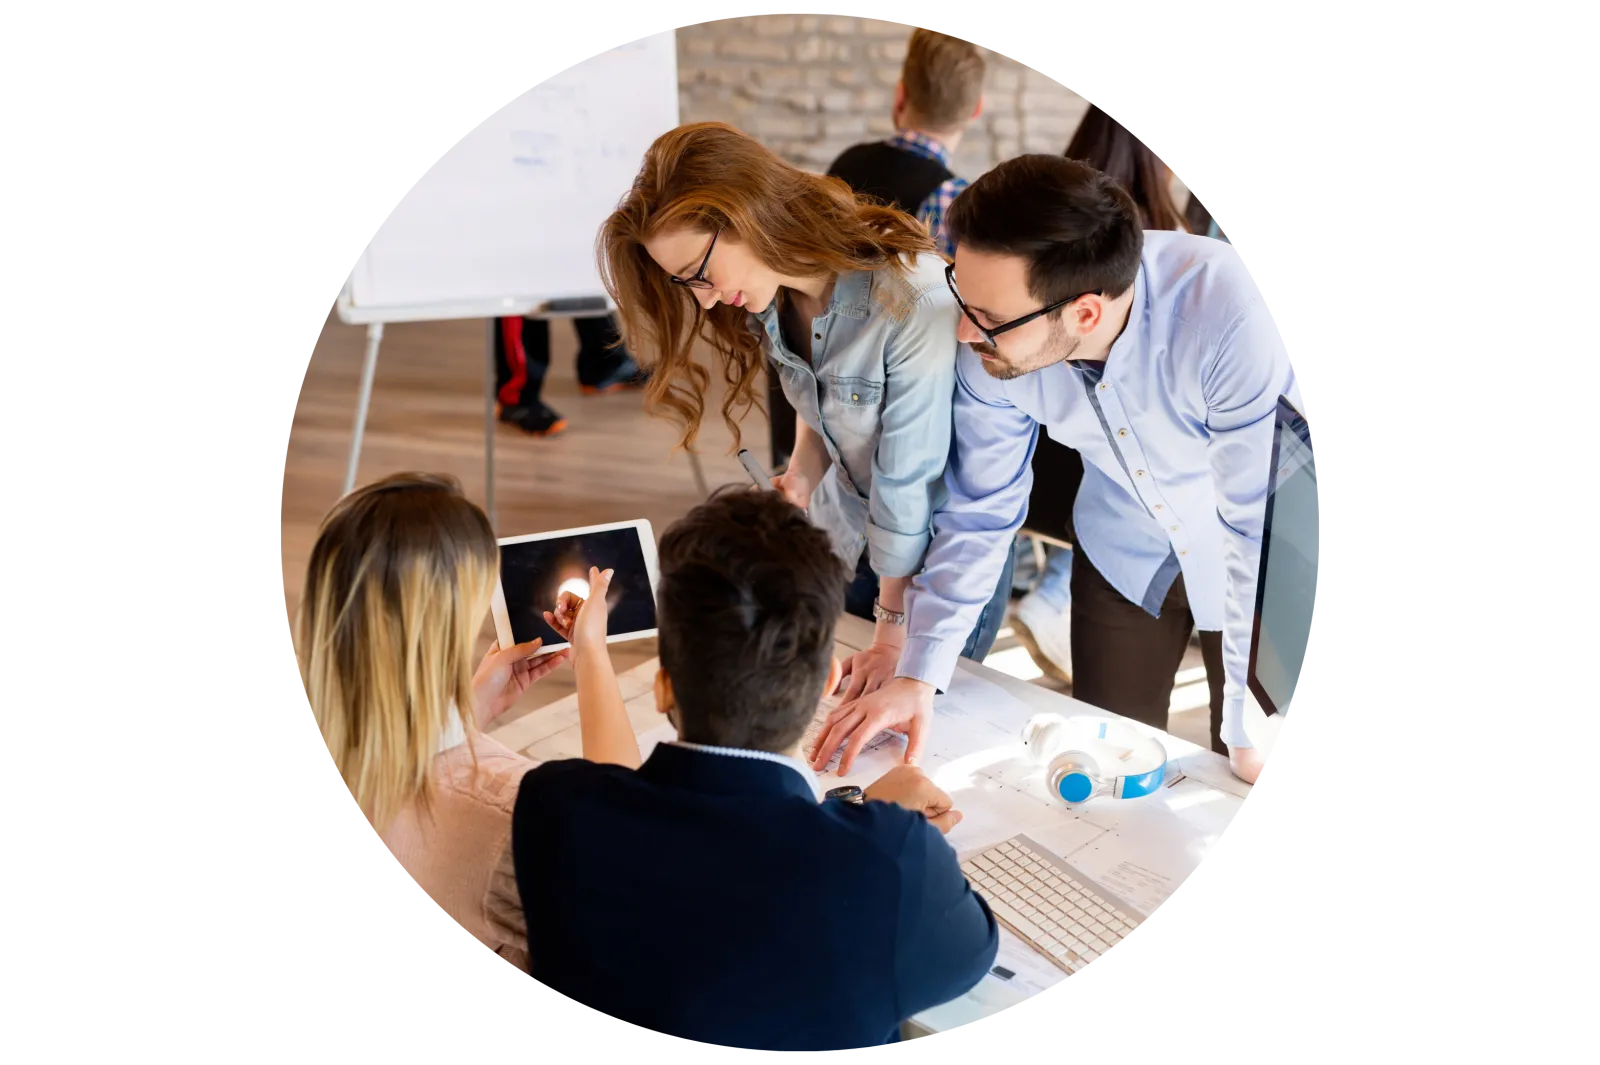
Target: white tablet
(535,569)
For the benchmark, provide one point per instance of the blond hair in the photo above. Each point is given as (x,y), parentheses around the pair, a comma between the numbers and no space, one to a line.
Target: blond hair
(943,80)
(396,590)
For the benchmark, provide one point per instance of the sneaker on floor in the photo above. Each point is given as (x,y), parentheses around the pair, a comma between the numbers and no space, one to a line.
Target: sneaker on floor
(535,419)
(1047,634)
(620,372)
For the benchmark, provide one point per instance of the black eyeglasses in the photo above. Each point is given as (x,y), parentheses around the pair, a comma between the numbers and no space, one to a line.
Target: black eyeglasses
(699,280)
(990,334)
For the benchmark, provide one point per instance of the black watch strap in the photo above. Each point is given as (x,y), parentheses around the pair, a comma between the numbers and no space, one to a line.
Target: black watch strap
(849,793)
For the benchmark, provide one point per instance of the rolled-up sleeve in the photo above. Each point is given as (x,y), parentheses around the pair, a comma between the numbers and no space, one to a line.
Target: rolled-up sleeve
(914,438)
(1242,383)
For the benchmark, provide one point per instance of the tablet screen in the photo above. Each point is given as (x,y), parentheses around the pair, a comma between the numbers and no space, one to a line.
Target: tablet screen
(532,573)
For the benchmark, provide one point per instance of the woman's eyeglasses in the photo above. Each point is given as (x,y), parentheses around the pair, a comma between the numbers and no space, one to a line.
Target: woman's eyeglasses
(699,280)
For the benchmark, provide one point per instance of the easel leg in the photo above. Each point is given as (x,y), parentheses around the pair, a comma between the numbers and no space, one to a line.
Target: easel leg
(368,368)
(488,421)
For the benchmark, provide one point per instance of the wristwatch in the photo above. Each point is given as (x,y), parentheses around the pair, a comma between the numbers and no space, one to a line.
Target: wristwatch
(890,616)
(849,793)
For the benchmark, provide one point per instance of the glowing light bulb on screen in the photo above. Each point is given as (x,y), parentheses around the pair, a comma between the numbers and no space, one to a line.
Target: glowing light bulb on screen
(576,585)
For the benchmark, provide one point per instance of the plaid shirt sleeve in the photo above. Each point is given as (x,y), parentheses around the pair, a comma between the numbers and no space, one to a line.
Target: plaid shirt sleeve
(933,211)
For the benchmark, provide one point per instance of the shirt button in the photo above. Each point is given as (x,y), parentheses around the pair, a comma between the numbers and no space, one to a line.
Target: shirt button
(816,336)
(1122,432)
(1158,506)
(1183,552)
(1138,473)
(855,397)
(1104,386)
(1174,528)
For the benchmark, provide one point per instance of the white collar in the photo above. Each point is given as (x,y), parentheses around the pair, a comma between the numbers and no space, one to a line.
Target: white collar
(765,756)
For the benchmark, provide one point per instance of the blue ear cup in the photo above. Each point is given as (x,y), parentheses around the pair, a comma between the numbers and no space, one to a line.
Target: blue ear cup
(1072,775)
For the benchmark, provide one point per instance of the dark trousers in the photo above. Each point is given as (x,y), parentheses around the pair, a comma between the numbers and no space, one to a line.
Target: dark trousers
(522,355)
(1125,661)
(863,589)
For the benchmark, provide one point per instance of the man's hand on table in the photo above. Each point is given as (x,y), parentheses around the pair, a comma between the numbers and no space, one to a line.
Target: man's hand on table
(903,705)
(909,786)
(1246,763)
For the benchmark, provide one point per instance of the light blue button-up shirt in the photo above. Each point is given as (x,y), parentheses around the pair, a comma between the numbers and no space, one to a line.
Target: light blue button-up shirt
(878,392)
(1176,438)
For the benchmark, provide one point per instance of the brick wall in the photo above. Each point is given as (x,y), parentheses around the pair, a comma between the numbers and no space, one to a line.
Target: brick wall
(809,86)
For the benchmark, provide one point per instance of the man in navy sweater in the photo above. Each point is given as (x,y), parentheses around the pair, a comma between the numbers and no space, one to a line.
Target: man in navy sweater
(711,893)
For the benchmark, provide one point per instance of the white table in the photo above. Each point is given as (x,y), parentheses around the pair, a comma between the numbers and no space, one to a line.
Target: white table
(974,752)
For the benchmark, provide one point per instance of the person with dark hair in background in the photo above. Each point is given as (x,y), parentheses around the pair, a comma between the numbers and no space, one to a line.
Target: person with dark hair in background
(522,357)
(1154,356)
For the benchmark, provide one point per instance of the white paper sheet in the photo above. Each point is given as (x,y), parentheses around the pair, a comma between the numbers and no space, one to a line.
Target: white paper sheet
(1143,871)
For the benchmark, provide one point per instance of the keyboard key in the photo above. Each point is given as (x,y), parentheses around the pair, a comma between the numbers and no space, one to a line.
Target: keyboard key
(1019,924)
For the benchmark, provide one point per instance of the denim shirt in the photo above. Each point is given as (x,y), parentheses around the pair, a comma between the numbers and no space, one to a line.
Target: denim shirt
(878,393)
(1176,438)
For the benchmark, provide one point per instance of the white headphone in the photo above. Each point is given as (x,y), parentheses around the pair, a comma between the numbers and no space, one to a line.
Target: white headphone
(1081,756)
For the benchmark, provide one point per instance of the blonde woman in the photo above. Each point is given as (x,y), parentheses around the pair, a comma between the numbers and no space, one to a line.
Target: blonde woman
(397,589)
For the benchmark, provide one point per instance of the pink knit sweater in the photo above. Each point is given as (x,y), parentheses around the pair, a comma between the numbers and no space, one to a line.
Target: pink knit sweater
(461,854)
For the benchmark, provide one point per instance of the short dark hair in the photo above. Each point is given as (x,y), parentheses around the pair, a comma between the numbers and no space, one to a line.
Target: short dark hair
(1077,228)
(749,595)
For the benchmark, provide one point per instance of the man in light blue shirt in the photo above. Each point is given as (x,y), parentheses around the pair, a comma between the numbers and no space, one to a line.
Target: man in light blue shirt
(1154,356)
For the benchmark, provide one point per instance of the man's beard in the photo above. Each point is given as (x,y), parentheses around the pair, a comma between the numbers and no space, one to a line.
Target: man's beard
(1056,349)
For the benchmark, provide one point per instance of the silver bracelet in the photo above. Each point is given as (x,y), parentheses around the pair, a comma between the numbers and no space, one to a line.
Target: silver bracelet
(882,614)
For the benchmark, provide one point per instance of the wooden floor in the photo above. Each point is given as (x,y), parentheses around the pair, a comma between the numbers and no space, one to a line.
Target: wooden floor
(613,463)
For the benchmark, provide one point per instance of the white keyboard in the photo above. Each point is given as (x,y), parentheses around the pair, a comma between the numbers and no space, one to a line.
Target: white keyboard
(1049,904)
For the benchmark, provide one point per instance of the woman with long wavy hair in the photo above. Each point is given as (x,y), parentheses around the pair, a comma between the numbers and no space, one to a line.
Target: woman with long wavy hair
(719,241)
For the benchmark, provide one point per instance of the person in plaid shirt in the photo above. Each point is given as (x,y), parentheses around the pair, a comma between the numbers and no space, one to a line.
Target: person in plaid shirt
(932,210)
(939,94)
